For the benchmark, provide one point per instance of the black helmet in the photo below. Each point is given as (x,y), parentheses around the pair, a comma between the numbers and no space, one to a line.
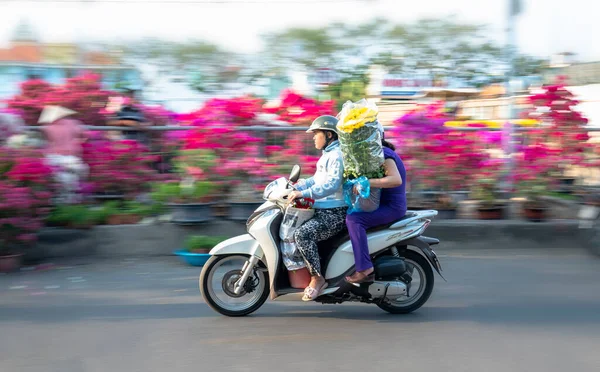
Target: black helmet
(324,122)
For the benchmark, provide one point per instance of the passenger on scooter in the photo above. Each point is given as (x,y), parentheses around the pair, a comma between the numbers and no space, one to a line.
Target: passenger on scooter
(392,207)
(330,209)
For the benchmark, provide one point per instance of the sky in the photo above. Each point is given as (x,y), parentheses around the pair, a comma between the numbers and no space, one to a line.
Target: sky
(544,28)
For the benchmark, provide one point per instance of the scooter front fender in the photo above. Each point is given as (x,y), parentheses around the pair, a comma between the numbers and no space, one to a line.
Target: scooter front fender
(241,244)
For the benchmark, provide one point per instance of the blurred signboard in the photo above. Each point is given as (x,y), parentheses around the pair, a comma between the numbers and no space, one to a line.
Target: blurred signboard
(324,77)
(404,85)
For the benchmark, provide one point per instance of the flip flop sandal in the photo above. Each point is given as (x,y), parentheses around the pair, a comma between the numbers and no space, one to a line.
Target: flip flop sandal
(311,293)
(358,278)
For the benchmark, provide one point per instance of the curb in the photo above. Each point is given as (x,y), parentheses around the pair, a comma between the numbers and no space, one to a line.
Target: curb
(160,239)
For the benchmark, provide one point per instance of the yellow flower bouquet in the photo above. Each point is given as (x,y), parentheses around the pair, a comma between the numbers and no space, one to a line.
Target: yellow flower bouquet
(360,140)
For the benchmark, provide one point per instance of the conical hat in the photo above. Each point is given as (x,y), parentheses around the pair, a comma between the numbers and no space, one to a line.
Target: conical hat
(52,113)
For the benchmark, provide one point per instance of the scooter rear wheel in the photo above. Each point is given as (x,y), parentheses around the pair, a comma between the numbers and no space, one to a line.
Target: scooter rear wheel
(217,289)
(419,295)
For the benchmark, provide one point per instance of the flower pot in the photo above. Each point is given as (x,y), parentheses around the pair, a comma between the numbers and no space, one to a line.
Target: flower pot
(446,214)
(115,219)
(192,258)
(240,211)
(191,213)
(565,185)
(10,263)
(220,210)
(567,181)
(490,213)
(131,219)
(535,214)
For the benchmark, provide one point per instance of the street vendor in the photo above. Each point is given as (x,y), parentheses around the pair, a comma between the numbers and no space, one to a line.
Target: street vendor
(65,137)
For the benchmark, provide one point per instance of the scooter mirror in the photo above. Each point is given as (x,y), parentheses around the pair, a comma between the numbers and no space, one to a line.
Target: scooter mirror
(295,173)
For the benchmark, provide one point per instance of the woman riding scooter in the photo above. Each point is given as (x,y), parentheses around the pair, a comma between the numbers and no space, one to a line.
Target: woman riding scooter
(330,209)
(392,207)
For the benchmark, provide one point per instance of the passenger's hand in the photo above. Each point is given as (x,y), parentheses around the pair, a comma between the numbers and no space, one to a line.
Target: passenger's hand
(355,189)
(294,195)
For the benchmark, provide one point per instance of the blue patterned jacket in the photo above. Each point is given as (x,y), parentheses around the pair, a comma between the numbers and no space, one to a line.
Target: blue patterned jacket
(326,185)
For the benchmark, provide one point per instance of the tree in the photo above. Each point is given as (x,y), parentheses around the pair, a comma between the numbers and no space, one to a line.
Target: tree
(525,65)
(309,47)
(196,56)
(444,48)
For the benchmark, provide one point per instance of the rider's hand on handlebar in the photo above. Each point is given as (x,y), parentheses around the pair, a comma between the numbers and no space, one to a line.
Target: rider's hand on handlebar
(294,195)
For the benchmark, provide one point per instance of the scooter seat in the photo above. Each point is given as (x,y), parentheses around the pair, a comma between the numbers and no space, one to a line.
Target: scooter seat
(326,247)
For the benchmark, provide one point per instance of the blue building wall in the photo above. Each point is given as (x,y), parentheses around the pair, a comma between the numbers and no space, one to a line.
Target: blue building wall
(12,75)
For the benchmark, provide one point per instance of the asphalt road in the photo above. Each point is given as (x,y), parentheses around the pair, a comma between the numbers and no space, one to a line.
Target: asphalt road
(499,311)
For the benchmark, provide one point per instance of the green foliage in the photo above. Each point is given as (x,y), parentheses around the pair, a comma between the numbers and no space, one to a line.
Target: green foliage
(359,156)
(486,191)
(176,193)
(202,242)
(348,89)
(199,158)
(72,215)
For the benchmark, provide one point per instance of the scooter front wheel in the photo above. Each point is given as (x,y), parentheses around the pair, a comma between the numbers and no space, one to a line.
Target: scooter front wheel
(217,281)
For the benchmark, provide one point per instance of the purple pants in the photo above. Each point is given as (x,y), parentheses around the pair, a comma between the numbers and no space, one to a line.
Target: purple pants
(359,222)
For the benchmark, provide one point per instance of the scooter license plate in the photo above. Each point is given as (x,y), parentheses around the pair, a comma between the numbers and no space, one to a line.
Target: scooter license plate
(589,212)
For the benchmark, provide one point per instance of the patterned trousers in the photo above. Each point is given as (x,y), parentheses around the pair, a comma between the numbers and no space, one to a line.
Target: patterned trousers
(325,224)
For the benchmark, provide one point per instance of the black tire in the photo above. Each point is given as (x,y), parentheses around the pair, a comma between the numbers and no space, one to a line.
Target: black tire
(424,264)
(204,290)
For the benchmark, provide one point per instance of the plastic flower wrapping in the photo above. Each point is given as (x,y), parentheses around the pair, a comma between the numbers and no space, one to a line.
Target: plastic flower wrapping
(362,153)
(360,140)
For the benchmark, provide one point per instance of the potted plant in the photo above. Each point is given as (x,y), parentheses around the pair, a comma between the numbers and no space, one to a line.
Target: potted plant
(535,209)
(18,224)
(245,198)
(26,191)
(445,205)
(118,169)
(190,201)
(77,216)
(491,206)
(123,213)
(564,134)
(195,251)
(227,156)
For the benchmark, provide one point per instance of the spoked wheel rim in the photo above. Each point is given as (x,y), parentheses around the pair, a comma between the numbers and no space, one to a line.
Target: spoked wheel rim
(416,288)
(221,279)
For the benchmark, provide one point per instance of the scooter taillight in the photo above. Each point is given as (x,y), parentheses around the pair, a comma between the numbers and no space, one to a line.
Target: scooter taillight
(426,225)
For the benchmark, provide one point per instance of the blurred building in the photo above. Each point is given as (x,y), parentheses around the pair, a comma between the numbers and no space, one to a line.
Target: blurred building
(27,58)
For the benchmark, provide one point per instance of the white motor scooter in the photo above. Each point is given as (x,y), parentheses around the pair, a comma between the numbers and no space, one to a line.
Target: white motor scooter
(243,270)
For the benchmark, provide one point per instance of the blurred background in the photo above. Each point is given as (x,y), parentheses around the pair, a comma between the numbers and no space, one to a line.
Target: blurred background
(124,107)
(166,119)
(194,100)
